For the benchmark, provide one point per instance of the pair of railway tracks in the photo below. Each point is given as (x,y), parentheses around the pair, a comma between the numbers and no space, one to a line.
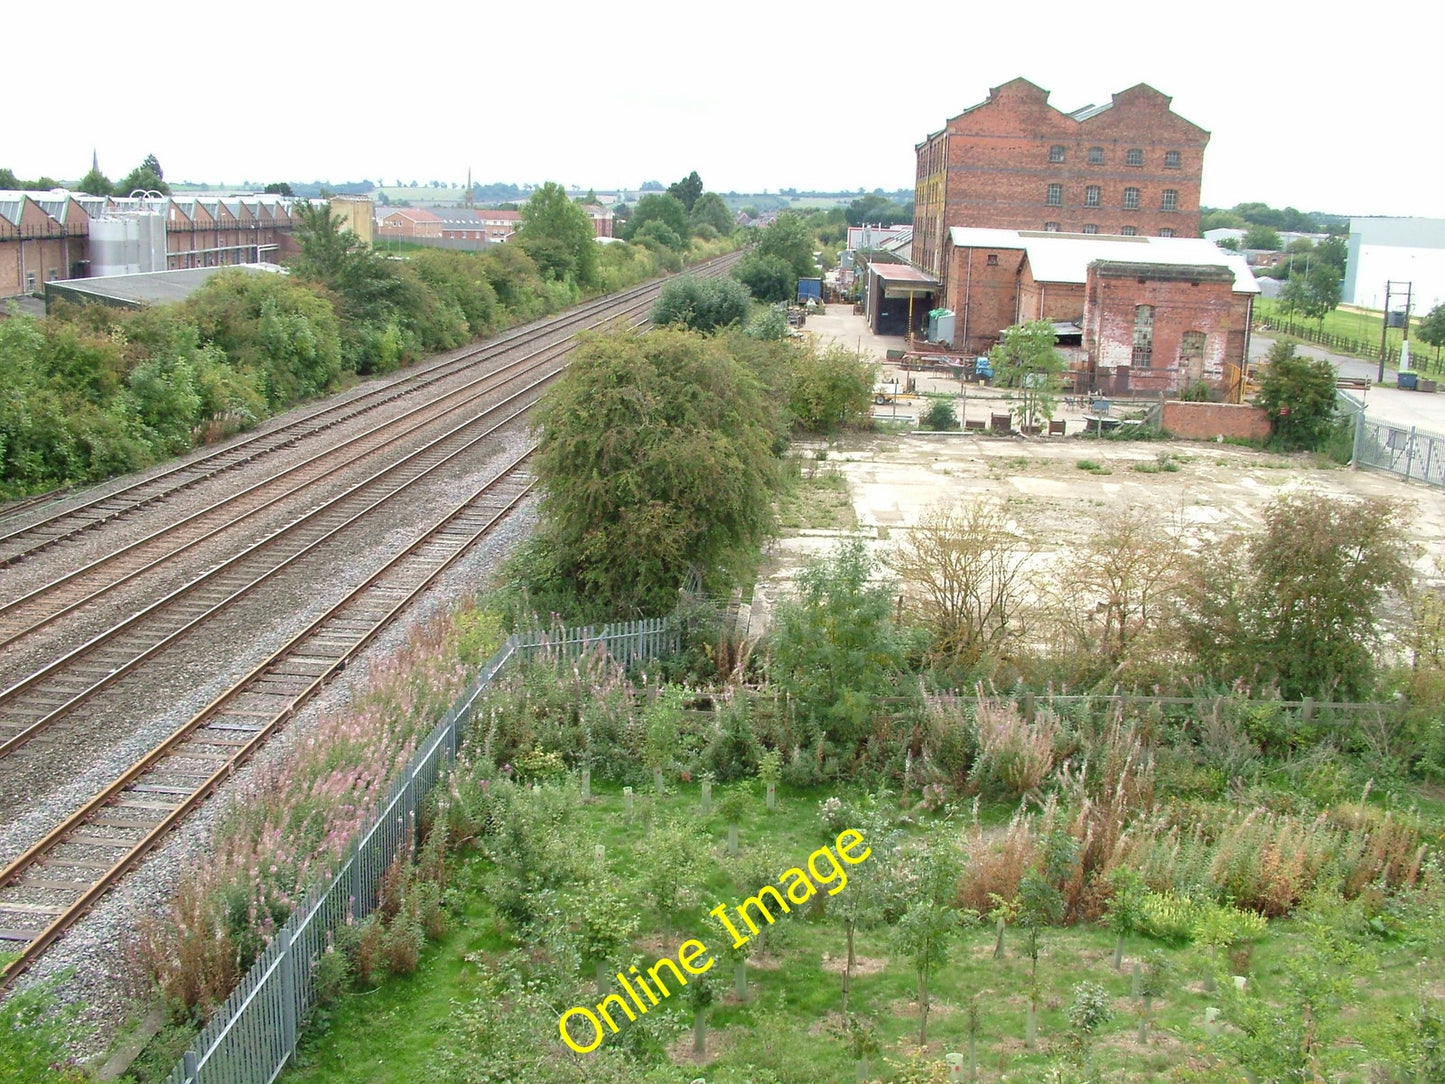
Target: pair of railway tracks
(50,885)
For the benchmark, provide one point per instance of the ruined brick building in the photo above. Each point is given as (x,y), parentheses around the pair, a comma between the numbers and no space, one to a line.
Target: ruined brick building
(1089,219)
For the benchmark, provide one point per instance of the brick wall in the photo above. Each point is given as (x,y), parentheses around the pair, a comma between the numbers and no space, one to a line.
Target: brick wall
(1184,299)
(1205,421)
(993,165)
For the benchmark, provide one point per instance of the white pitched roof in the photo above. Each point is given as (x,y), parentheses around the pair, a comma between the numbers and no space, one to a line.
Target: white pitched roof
(1065,257)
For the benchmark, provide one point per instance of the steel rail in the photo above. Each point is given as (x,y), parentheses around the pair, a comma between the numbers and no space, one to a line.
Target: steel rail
(68,702)
(420,417)
(300,428)
(167,814)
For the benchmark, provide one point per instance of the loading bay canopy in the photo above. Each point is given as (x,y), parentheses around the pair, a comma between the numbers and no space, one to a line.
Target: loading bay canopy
(901,280)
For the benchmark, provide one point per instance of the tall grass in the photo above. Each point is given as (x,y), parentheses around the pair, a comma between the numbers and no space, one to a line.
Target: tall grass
(292,822)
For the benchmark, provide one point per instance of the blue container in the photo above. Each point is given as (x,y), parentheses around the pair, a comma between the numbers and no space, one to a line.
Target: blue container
(1408,381)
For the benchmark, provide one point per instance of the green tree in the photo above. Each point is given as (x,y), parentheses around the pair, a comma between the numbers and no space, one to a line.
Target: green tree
(1298,604)
(146,177)
(1314,293)
(878,210)
(768,278)
(1432,329)
(835,649)
(1334,251)
(790,239)
(1026,361)
(702,304)
(96,183)
(658,207)
(686,191)
(831,390)
(1265,238)
(926,928)
(656,460)
(558,235)
(710,210)
(1298,393)
(281,188)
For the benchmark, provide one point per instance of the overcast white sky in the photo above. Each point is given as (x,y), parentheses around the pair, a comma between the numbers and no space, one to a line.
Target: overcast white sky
(1305,108)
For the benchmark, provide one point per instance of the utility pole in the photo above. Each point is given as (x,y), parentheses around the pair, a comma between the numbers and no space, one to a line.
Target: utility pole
(1385,323)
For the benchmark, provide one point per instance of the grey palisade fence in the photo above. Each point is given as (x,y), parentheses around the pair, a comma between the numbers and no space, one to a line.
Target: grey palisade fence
(254,1034)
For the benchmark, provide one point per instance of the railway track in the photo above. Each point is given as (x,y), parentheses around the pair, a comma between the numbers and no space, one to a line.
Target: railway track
(22,536)
(33,705)
(57,880)
(27,614)
(60,877)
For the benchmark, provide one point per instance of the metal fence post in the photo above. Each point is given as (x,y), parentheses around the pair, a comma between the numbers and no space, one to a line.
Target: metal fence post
(288,990)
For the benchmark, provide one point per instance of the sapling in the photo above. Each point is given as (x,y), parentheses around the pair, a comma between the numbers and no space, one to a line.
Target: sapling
(732,807)
(1157,970)
(770,770)
(699,997)
(1125,907)
(1088,1012)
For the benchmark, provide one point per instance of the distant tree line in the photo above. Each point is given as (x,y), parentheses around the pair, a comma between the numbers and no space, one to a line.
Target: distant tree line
(148,177)
(1244,215)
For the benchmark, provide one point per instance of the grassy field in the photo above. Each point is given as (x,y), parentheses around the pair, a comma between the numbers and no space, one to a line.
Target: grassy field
(787,1027)
(1361,324)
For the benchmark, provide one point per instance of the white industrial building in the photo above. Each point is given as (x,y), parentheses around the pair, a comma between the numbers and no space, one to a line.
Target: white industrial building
(1399,251)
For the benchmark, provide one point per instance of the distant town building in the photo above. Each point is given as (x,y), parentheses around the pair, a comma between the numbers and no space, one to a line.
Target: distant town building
(48,236)
(1398,251)
(1131,167)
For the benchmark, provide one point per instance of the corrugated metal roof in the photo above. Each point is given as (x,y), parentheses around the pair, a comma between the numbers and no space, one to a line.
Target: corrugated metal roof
(1065,257)
(902,272)
(155,287)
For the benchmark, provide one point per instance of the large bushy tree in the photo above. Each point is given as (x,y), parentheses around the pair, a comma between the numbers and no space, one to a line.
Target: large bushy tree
(1299,395)
(702,304)
(558,235)
(656,460)
(768,278)
(658,207)
(1298,604)
(790,239)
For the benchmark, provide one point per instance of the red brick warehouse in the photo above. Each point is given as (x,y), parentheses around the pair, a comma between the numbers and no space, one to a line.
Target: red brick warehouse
(1131,167)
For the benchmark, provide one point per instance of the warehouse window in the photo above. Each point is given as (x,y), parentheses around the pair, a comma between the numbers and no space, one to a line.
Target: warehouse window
(1171,159)
(1170,201)
(1143,355)
(1051,227)
(1096,156)
(1131,199)
(1192,345)
(1056,153)
(1091,196)
(1090,227)
(1055,197)
(1166,232)
(1127,231)
(1134,157)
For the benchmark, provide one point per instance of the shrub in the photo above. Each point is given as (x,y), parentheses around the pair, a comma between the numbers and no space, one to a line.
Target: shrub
(1014,756)
(939,415)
